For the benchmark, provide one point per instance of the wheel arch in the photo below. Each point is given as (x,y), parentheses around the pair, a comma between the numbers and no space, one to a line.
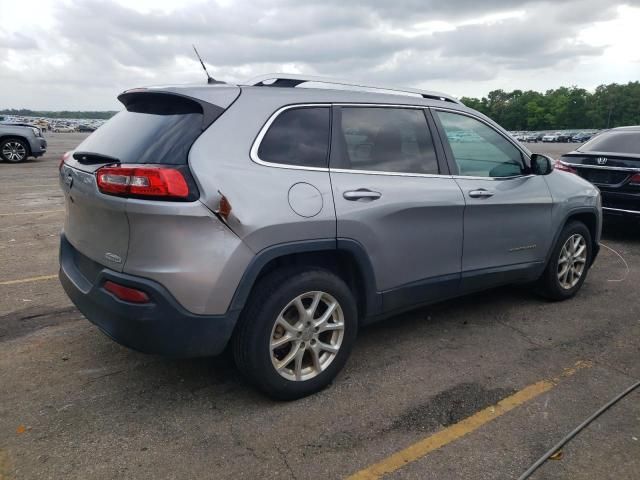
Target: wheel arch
(13,136)
(344,257)
(587,216)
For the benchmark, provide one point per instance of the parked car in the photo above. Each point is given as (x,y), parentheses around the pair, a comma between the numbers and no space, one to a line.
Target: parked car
(64,129)
(611,161)
(551,137)
(564,137)
(86,128)
(18,142)
(532,137)
(581,137)
(228,220)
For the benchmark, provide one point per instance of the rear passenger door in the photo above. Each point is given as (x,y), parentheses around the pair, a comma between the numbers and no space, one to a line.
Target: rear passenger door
(393,197)
(507,219)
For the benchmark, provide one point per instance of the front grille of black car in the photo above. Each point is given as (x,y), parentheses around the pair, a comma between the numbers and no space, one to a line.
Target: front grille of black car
(603,177)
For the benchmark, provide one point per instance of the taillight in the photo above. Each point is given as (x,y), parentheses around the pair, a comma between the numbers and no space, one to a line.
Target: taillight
(127,294)
(63,159)
(147,182)
(560,165)
(635,180)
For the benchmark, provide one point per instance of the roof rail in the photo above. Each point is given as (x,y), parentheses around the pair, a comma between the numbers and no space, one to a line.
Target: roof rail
(288,80)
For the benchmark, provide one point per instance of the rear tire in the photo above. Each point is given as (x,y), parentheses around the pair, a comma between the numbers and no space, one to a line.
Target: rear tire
(302,356)
(14,150)
(569,263)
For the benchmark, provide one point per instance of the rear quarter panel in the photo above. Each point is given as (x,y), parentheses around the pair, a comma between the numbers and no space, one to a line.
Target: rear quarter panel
(259,195)
(188,250)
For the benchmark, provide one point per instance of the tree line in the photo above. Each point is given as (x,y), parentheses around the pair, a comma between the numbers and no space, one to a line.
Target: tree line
(608,106)
(23,112)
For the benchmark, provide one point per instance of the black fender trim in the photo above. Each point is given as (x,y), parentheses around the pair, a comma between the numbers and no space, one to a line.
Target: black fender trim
(372,301)
(595,247)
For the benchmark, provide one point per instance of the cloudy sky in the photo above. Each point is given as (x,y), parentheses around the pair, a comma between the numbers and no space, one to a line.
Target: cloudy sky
(79,54)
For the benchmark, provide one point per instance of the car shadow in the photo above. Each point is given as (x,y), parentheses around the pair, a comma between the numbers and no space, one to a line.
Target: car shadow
(218,377)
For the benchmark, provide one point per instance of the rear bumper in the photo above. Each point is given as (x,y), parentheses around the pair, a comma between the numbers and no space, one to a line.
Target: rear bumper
(161,326)
(620,203)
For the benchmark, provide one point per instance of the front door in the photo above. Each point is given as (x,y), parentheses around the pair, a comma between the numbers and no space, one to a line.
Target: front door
(507,218)
(394,198)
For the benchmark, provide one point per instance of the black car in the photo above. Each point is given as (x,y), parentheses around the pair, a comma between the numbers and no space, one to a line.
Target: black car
(564,137)
(581,137)
(611,161)
(86,128)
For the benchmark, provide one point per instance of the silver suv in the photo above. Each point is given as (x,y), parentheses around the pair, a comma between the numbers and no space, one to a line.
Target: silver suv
(19,142)
(282,215)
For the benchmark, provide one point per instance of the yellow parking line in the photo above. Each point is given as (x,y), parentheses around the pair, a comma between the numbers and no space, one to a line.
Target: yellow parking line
(450,434)
(30,213)
(27,280)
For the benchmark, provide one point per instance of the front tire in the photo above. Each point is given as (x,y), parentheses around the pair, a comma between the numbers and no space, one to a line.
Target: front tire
(296,332)
(14,150)
(569,263)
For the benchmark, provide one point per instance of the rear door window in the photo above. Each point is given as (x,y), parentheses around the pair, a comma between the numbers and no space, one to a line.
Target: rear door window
(385,139)
(298,136)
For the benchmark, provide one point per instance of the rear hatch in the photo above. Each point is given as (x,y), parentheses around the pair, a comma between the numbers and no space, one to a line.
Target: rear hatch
(148,141)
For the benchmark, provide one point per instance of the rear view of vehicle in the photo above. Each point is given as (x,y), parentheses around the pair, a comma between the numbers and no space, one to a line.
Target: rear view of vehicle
(126,260)
(611,161)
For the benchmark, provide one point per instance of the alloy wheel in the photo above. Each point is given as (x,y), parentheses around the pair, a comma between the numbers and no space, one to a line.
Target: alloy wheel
(572,261)
(306,336)
(14,151)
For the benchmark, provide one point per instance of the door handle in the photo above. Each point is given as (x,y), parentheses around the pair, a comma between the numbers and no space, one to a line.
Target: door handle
(481,193)
(361,194)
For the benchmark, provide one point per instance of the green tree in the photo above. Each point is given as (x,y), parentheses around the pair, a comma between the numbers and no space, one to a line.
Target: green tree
(608,106)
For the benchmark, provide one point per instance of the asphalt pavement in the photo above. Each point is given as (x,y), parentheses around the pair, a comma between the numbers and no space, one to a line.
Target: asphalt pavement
(474,388)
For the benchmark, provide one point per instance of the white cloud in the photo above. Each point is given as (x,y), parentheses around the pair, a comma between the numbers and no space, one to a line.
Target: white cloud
(80,54)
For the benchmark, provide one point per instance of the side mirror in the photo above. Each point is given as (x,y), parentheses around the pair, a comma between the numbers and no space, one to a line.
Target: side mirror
(541,164)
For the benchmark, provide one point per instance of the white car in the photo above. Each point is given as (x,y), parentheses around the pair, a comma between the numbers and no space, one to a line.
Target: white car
(64,129)
(551,137)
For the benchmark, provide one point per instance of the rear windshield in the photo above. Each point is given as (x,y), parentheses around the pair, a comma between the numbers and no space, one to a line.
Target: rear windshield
(614,142)
(155,128)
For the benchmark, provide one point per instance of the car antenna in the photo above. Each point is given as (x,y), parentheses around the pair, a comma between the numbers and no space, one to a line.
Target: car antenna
(210,79)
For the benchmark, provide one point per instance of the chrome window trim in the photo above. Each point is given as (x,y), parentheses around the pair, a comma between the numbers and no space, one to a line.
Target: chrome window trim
(253,153)
(390,174)
(472,177)
(507,138)
(263,131)
(621,210)
(601,167)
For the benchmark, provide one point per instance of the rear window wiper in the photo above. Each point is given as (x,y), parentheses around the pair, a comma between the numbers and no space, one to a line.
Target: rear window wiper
(88,158)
